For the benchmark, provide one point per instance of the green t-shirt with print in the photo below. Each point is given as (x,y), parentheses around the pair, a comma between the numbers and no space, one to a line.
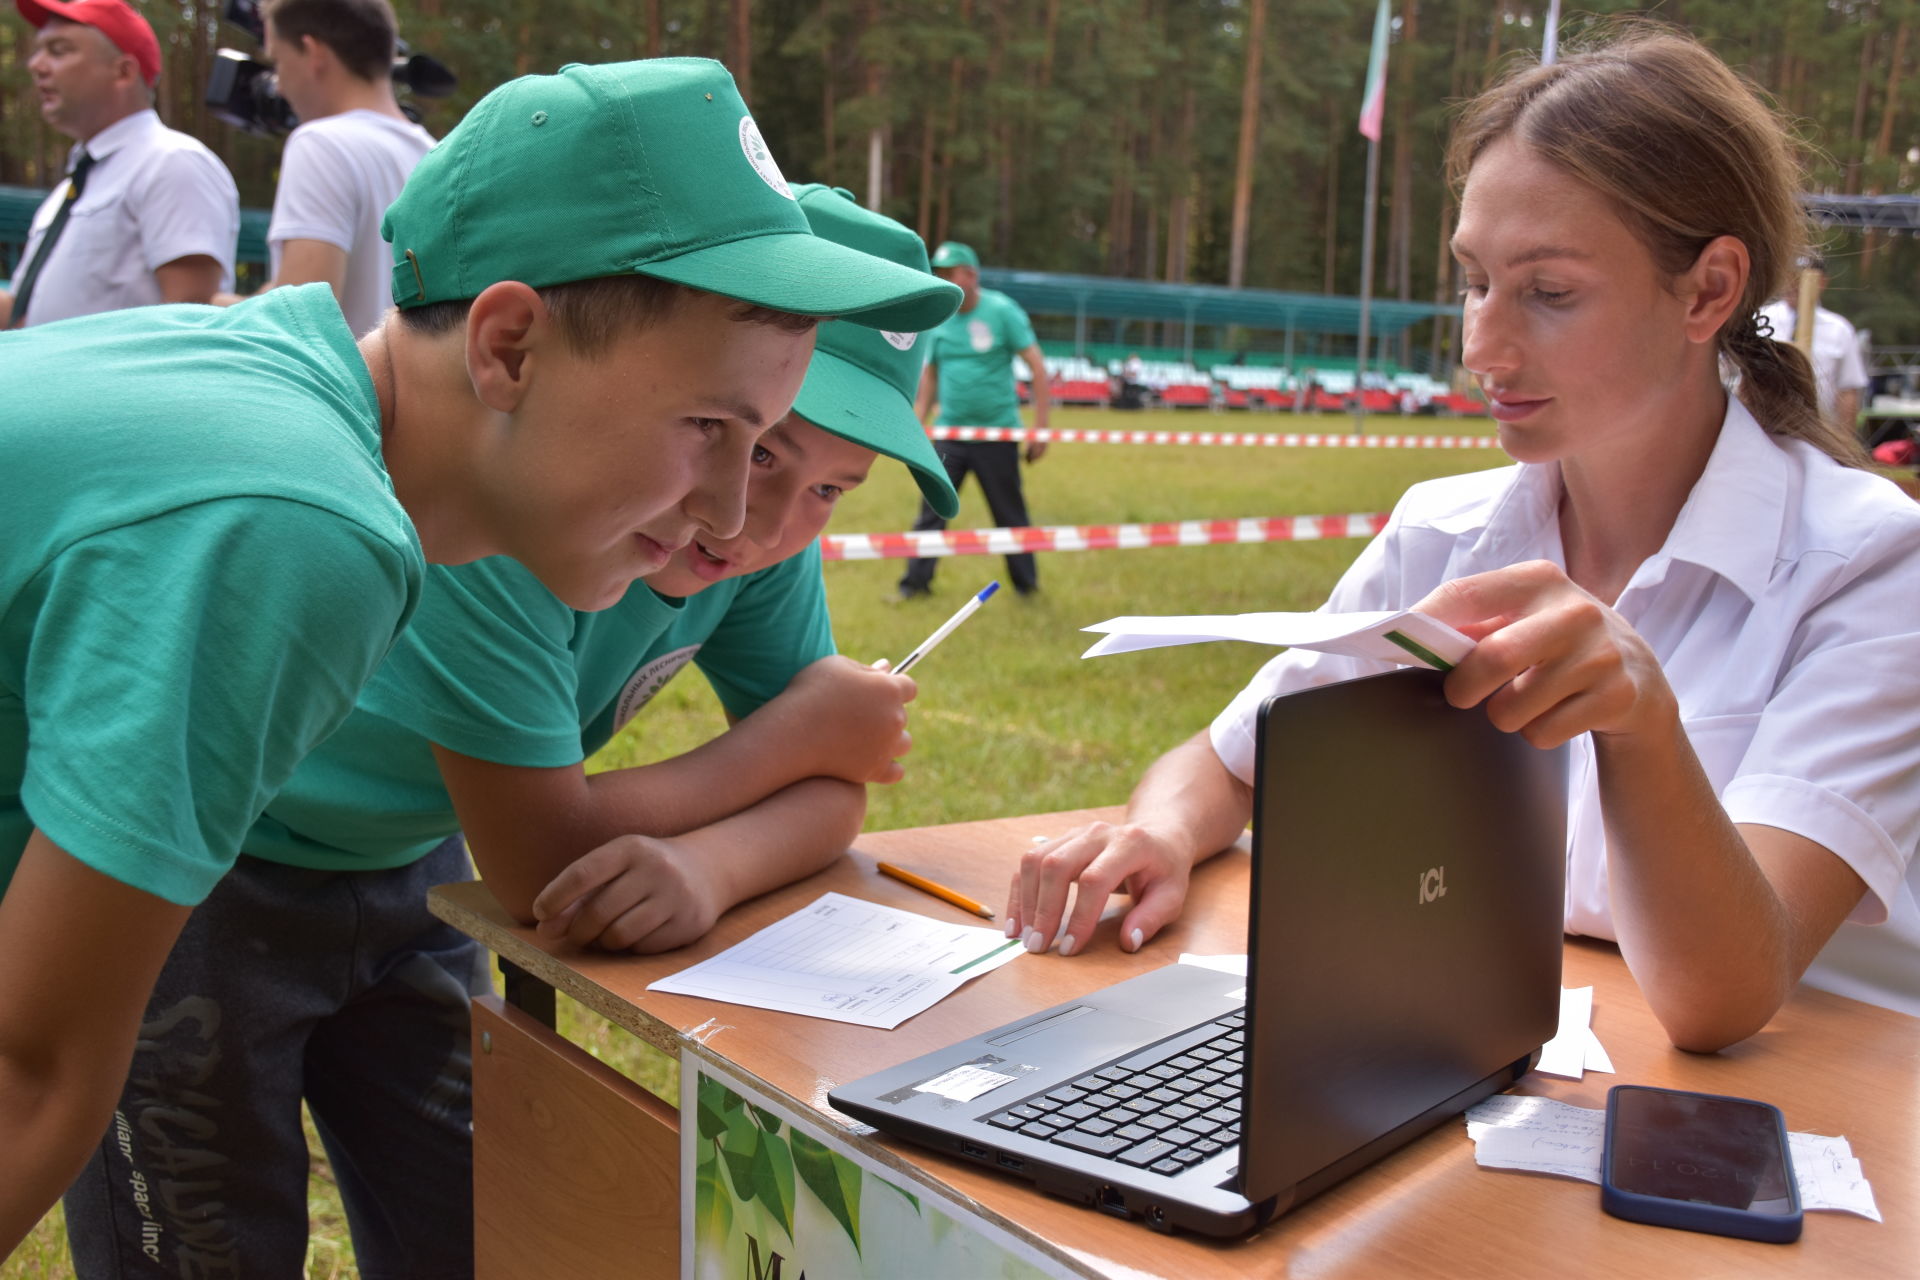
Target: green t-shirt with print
(201,563)
(497,668)
(974,352)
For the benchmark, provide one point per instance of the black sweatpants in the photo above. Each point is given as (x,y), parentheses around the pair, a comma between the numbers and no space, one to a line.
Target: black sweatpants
(997,463)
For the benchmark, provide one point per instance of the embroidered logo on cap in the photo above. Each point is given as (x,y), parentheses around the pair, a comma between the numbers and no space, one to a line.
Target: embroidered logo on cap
(901,341)
(760,158)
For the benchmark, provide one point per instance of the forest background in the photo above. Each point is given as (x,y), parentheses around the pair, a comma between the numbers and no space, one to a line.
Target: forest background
(1118,137)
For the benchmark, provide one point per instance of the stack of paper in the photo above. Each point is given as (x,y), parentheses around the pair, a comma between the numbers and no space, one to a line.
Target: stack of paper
(850,961)
(1539,1135)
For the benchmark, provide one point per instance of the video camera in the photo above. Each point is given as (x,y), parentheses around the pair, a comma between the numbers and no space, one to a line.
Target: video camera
(244,93)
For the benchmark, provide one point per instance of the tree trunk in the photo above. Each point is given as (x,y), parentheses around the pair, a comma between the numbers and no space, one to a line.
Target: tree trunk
(653,28)
(1053,32)
(1883,144)
(1150,237)
(1000,137)
(1249,129)
(740,48)
(924,223)
(828,79)
(1857,136)
(956,75)
(1178,234)
(1120,204)
(875,81)
(1438,351)
(1332,252)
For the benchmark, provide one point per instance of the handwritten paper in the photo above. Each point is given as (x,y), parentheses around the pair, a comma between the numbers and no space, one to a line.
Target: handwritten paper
(1539,1135)
(848,960)
(1406,637)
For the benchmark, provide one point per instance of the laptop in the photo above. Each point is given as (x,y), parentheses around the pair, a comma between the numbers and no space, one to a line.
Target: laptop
(1404,963)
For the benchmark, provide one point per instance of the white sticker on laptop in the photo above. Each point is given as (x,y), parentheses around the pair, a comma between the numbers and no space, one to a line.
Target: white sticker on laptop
(964,1084)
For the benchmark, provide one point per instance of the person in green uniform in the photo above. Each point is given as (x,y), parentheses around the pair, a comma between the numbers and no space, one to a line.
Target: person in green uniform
(969,381)
(217,521)
(355,998)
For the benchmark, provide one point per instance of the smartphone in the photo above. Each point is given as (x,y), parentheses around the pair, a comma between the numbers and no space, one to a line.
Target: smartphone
(1700,1162)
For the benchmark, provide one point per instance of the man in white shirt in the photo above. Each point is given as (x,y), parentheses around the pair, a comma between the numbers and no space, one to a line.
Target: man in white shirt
(350,156)
(1839,371)
(147,214)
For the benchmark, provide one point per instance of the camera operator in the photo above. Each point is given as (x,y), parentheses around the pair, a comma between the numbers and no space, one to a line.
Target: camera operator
(350,155)
(146,214)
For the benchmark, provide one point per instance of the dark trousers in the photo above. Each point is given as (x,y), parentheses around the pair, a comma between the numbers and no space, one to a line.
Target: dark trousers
(287,982)
(997,463)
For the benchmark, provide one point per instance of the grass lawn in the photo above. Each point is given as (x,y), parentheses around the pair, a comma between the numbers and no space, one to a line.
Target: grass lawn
(1008,718)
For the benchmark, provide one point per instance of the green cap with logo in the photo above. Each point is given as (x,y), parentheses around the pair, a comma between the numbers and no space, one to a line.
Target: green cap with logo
(955,254)
(632,168)
(861,383)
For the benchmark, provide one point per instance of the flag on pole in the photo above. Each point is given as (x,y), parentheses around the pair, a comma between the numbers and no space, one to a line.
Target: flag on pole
(1373,107)
(1550,47)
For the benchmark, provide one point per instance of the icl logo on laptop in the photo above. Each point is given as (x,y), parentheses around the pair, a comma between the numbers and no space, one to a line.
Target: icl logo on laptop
(1433,884)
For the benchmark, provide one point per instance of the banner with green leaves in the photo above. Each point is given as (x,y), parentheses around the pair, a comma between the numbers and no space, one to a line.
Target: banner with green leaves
(768,1195)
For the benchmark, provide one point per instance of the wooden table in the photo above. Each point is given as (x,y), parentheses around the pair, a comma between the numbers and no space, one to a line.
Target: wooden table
(576,1168)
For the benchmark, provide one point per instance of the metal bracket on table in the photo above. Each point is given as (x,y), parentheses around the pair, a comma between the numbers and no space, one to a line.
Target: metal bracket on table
(527,993)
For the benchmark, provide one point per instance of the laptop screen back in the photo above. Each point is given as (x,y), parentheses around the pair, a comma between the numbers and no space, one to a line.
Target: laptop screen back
(1406,930)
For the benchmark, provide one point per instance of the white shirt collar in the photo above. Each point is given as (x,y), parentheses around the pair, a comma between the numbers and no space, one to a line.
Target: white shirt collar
(125,130)
(1747,473)
(1733,522)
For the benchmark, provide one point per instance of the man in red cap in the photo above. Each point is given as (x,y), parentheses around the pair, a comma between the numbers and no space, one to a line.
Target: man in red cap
(146,214)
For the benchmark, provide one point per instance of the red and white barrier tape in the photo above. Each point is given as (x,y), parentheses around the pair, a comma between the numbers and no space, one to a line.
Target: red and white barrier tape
(1271,439)
(1095,537)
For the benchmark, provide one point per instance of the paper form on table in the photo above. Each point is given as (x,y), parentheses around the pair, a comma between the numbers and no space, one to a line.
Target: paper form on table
(847,960)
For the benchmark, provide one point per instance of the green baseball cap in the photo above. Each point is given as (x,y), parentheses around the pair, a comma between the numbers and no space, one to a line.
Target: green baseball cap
(955,254)
(632,168)
(861,383)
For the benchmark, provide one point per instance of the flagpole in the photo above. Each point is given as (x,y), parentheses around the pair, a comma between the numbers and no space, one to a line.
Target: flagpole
(1373,109)
(1366,287)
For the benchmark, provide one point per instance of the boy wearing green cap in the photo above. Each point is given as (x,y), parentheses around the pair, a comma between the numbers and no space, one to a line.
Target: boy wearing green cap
(218,521)
(479,720)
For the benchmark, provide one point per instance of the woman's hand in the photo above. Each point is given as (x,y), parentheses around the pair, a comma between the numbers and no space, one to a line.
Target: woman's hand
(1551,662)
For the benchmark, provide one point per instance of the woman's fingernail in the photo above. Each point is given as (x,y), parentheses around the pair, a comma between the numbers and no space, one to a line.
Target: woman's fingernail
(1035,942)
(1066,945)
(1013,927)
(1136,939)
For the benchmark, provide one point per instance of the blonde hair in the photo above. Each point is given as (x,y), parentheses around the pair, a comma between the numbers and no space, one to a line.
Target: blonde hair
(1687,151)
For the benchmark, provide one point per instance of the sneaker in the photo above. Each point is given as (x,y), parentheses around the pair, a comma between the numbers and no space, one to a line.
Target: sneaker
(903,594)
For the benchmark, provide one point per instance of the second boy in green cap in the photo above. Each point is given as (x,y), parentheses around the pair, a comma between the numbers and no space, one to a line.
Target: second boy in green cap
(217,520)
(480,719)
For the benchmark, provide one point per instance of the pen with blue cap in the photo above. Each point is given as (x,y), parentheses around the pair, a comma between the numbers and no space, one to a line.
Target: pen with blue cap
(946,628)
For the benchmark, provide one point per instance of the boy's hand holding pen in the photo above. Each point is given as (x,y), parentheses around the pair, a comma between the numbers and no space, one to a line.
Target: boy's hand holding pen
(925,647)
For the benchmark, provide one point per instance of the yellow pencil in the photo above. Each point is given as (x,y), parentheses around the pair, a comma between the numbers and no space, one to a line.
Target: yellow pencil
(937,890)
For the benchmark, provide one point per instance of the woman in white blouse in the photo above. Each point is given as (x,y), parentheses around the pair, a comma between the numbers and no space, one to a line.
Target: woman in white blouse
(1701,591)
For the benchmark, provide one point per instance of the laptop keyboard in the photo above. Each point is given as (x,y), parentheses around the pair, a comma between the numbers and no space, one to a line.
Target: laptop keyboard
(1163,1110)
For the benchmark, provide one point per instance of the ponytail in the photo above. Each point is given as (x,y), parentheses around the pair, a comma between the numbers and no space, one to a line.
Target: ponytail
(1776,384)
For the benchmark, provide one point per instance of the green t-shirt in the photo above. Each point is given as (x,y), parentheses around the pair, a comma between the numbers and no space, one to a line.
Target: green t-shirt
(974,351)
(201,563)
(496,668)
